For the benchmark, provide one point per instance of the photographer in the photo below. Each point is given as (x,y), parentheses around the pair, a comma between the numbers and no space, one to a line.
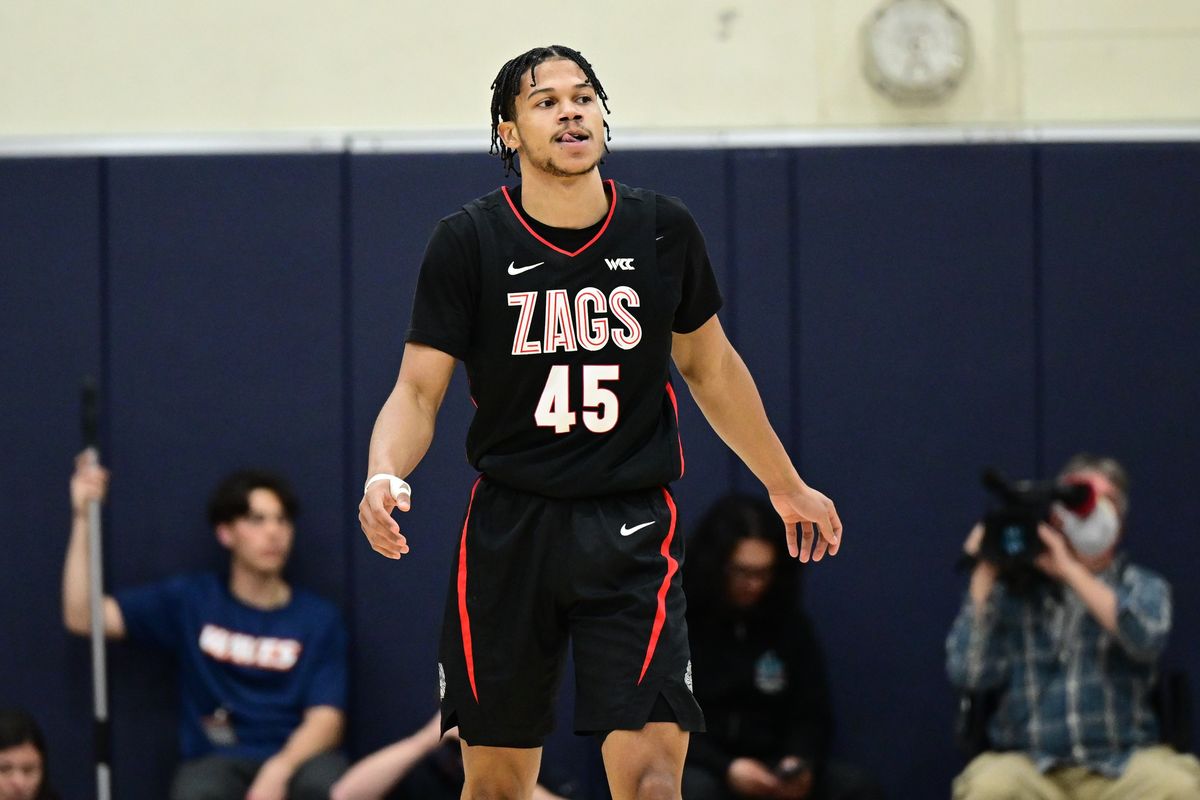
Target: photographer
(1071,658)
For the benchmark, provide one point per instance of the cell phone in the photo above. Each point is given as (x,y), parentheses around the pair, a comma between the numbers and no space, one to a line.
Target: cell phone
(791,769)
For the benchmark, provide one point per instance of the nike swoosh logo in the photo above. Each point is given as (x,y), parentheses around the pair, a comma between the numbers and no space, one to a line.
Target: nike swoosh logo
(627,531)
(513,269)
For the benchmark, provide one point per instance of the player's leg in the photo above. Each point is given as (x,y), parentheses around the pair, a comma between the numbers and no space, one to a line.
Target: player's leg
(645,764)
(500,773)
(632,662)
(503,642)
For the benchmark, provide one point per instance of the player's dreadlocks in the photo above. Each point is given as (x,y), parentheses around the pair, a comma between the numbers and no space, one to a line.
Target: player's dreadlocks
(507,86)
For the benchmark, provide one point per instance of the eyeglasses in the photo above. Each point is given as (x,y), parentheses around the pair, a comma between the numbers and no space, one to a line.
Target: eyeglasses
(742,573)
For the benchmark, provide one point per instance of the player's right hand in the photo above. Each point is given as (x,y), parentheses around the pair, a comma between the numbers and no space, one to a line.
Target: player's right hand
(375,517)
(88,483)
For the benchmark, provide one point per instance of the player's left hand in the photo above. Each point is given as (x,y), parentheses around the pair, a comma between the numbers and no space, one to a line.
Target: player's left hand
(271,781)
(817,518)
(1058,557)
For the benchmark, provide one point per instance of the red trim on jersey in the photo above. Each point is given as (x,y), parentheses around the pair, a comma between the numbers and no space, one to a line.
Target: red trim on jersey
(611,208)
(672,567)
(678,433)
(463,618)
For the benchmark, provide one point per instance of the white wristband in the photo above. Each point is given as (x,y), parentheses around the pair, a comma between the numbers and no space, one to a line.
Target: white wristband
(395,485)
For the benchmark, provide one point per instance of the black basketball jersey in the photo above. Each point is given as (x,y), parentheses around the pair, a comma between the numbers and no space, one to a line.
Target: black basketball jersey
(567,351)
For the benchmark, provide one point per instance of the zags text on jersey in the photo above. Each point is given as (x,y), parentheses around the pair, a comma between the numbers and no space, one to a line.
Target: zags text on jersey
(571,324)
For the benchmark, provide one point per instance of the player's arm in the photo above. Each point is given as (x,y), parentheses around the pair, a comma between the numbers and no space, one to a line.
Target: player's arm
(320,730)
(402,434)
(90,482)
(725,392)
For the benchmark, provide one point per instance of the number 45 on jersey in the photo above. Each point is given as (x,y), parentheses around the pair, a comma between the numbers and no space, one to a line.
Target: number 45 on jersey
(600,406)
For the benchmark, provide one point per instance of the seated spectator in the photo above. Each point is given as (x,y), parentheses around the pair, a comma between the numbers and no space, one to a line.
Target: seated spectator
(1072,660)
(23,772)
(757,669)
(424,766)
(262,663)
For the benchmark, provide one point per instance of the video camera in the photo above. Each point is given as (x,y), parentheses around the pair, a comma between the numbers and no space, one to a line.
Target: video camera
(1010,531)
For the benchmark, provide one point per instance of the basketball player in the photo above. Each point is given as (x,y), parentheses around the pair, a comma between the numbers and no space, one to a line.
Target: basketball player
(566,298)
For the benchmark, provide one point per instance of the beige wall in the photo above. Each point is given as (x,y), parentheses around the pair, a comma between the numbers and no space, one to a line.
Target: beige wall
(232,66)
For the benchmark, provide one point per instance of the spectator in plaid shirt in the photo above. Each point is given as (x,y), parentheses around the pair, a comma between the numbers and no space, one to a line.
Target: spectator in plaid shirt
(1073,662)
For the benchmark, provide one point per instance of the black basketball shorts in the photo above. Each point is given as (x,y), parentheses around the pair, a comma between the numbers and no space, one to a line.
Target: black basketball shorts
(531,572)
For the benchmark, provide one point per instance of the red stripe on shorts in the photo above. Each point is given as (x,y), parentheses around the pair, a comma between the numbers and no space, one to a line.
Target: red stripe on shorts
(672,567)
(464,618)
(678,433)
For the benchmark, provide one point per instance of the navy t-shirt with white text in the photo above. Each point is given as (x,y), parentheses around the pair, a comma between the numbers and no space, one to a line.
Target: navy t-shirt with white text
(247,675)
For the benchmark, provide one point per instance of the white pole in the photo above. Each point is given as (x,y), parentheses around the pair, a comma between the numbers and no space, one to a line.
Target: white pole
(96,601)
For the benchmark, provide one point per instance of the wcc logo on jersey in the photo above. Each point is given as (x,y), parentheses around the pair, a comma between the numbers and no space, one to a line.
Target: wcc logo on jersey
(619,263)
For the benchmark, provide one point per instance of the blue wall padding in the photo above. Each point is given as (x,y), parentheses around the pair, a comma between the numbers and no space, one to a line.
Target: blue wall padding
(1120,267)
(914,287)
(225,350)
(910,315)
(396,202)
(50,337)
